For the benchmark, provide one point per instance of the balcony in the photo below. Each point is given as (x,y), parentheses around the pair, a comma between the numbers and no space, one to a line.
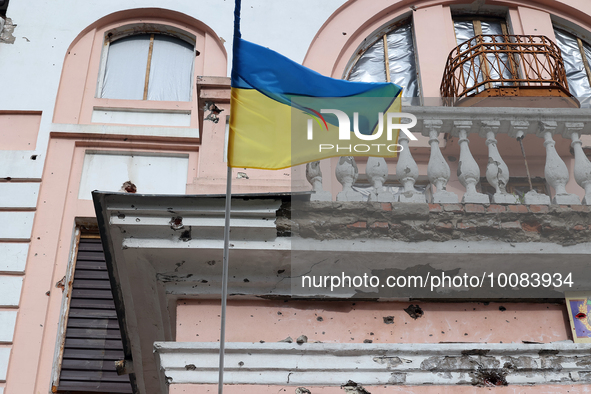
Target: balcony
(506,71)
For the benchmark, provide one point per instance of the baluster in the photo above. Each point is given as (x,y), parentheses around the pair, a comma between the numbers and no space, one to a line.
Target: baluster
(468,171)
(497,172)
(377,172)
(555,170)
(438,169)
(518,130)
(347,174)
(407,172)
(314,176)
(582,170)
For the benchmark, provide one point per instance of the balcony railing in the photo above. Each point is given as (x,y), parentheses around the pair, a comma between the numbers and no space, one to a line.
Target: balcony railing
(504,65)
(545,123)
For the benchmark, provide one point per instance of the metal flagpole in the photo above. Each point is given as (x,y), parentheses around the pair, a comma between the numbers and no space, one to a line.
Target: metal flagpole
(225,278)
(237,36)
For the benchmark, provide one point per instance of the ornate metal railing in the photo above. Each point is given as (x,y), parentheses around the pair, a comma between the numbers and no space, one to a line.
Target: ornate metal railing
(502,61)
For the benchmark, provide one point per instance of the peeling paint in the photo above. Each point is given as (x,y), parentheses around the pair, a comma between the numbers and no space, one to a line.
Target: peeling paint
(6,34)
(214,113)
(414,311)
(176,223)
(354,388)
(129,187)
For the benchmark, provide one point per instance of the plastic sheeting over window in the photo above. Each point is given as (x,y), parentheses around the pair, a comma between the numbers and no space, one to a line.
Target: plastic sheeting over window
(578,80)
(170,69)
(371,66)
(465,31)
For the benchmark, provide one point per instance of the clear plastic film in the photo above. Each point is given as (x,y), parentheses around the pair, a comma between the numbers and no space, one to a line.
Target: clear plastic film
(578,81)
(500,67)
(371,66)
(401,57)
(170,70)
(464,32)
(125,69)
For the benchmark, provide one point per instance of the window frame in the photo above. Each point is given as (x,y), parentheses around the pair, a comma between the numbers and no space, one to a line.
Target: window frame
(152,29)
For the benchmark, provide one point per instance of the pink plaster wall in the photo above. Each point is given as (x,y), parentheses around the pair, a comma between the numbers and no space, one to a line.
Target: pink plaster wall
(353,322)
(18,130)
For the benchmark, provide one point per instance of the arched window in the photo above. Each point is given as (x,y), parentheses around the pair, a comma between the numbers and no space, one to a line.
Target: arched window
(148,67)
(391,58)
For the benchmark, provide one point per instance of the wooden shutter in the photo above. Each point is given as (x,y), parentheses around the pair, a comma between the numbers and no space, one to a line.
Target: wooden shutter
(93,340)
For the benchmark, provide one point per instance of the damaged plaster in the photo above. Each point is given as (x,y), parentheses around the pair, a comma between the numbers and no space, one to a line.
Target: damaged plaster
(411,222)
(6,31)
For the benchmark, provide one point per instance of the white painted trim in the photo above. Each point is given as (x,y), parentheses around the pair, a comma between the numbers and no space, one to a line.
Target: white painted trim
(20,195)
(143,117)
(64,310)
(371,364)
(14,257)
(7,323)
(4,357)
(152,131)
(10,290)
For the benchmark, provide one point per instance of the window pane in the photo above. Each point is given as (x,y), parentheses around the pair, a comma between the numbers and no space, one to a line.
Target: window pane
(125,70)
(497,66)
(465,32)
(170,71)
(371,66)
(578,82)
(401,57)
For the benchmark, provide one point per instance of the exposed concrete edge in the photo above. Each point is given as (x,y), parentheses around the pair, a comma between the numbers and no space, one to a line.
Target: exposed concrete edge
(332,364)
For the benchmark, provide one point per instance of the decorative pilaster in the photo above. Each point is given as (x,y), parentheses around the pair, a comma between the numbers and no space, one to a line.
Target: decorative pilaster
(497,172)
(468,171)
(582,165)
(555,171)
(347,174)
(438,169)
(314,176)
(377,172)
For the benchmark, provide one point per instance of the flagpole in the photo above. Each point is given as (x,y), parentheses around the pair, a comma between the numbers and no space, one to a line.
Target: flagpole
(236,41)
(225,279)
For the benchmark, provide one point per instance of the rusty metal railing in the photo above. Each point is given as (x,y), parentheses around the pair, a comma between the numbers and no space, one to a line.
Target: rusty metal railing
(498,61)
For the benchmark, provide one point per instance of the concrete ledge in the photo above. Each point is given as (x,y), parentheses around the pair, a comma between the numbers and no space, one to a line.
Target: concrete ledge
(376,364)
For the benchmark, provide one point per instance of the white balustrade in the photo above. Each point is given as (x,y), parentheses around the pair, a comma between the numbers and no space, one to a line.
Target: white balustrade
(555,171)
(489,123)
(377,172)
(407,173)
(347,174)
(497,172)
(468,171)
(438,170)
(582,170)
(314,176)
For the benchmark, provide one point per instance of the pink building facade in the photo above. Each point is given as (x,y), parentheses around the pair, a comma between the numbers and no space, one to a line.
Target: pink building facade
(78,114)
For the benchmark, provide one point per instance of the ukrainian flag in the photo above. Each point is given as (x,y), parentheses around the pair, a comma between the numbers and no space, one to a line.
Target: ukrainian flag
(273,98)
